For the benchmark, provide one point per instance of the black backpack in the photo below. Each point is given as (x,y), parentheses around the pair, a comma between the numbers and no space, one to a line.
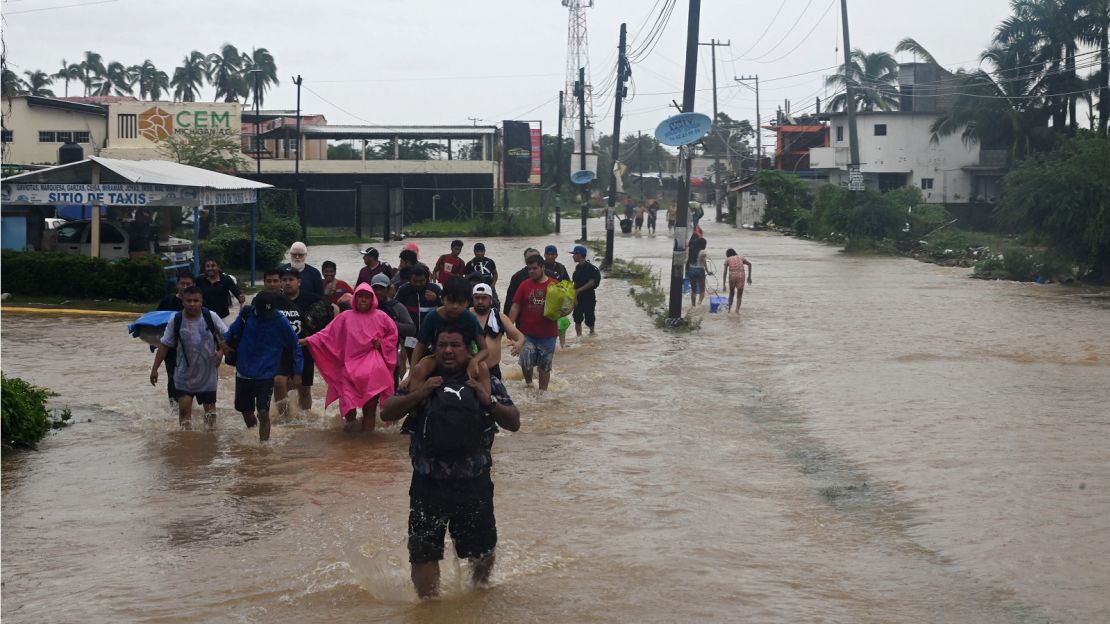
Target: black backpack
(453,421)
(233,338)
(207,321)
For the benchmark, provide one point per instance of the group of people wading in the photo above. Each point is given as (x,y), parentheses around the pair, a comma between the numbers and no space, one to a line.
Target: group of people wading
(426,353)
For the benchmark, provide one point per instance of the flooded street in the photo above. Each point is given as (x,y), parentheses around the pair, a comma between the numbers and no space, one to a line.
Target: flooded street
(872,440)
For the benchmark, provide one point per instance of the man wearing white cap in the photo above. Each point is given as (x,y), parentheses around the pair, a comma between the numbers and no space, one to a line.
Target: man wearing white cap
(495,324)
(311,280)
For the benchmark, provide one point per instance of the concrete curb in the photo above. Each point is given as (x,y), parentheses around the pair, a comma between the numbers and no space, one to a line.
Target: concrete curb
(68,311)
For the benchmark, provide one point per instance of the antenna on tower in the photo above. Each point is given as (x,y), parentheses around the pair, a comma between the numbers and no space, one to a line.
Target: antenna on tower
(578,56)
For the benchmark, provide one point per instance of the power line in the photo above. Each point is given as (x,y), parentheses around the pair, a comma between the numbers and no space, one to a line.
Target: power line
(64,6)
(783,39)
(782,6)
(436,78)
(819,21)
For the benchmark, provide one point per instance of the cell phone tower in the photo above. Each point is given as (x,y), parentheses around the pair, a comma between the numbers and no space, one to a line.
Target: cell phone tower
(578,55)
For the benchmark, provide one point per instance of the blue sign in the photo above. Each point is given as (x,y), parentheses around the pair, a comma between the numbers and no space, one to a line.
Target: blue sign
(585,176)
(683,129)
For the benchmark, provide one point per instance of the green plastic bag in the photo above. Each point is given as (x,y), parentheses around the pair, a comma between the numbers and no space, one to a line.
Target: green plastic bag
(560,300)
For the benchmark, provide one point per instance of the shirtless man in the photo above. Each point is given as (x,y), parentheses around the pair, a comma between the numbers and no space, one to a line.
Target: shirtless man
(495,324)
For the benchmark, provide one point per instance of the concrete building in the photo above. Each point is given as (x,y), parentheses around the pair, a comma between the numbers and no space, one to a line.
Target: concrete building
(36,127)
(897,149)
(751,203)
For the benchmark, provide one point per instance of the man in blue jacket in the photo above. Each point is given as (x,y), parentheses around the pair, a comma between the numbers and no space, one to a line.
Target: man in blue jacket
(260,335)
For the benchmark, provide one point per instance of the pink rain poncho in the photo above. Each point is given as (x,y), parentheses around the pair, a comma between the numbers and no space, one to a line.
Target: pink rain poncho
(344,354)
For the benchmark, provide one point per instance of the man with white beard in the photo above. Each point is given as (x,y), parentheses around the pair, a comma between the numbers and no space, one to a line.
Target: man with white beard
(311,280)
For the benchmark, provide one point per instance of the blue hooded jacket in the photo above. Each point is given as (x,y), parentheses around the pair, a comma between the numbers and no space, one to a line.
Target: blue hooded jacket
(262,344)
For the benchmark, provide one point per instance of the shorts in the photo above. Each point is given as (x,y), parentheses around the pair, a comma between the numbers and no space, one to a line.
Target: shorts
(695,272)
(495,370)
(204,398)
(736,282)
(584,310)
(286,367)
(537,352)
(253,395)
(462,506)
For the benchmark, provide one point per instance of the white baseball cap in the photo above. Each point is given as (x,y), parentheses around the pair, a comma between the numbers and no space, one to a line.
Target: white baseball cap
(482,289)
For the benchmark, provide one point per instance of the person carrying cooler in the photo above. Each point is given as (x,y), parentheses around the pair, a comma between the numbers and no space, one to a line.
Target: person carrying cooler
(734,275)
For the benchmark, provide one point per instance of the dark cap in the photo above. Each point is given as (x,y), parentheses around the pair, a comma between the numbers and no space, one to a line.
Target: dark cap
(551,249)
(370,251)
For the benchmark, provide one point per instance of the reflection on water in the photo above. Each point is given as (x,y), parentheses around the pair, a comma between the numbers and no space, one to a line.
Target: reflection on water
(871,440)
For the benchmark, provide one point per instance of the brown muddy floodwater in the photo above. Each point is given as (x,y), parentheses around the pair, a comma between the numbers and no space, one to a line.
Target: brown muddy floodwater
(875,440)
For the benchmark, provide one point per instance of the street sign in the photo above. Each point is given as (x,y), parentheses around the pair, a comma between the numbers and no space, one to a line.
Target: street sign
(683,129)
(855,178)
(583,176)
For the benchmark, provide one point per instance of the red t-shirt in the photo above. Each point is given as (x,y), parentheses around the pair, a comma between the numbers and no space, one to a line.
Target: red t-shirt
(448,265)
(531,298)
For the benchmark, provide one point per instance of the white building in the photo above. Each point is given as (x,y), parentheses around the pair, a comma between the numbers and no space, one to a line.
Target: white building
(897,149)
(35,127)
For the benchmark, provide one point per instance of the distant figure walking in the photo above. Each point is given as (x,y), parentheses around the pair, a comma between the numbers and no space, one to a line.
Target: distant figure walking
(734,275)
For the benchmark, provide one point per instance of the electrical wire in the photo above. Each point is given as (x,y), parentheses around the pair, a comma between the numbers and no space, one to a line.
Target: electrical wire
(819,21)
(765,31)
(784,37)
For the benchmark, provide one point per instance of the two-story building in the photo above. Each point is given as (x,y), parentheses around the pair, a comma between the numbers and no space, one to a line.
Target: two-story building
(898,148)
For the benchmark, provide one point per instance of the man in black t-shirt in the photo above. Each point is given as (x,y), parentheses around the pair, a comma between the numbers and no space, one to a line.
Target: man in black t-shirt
(483,266)
(217,288)
(308,314)
(586,278)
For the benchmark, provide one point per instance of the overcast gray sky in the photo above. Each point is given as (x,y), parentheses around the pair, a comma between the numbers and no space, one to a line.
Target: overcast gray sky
(442,61)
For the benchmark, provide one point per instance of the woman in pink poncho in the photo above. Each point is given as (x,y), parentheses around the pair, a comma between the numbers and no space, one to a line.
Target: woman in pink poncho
(356,354)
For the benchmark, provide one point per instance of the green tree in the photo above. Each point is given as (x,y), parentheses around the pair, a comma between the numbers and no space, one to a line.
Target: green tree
(68,71)
(549,146)
(226,73)
(38,83)
(1096,33)
(12,83)
(151,80)
(215,152)
(92,71)
(117,78)
(788,196)
(1065,194)
(409,149)
(874,80)
(189,78)
(262,61)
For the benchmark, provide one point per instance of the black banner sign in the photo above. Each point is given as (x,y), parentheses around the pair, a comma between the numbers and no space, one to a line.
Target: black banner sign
(518,152)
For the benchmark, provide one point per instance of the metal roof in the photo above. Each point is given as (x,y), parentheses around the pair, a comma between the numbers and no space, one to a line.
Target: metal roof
(80,107)
(383,132)
(136,172)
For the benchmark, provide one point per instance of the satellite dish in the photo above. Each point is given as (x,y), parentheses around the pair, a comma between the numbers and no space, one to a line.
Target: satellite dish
(683,129)
(585,176)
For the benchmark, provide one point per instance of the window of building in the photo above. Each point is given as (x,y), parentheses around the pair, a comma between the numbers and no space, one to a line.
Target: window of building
(8,136)
(291,145)
(926,184)
(259,144)
(880,129)
(46,136)
(63,136)
(81,137)
(128,125)
(840,133)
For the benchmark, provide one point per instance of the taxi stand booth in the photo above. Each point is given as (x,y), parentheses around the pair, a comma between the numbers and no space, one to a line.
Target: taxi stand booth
(136,184)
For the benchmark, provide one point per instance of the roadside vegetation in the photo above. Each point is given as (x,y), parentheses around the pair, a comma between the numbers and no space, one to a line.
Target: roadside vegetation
(1050,223)
(25,417)
(646,290)
(522,222)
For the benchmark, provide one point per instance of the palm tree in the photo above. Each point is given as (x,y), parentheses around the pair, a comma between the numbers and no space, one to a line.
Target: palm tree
(1096,33)
(12,83)
(874,80)
(189,78)
(998,109)
(262,61)
(1050,30)
(69,71)
(151,80)
(117,78)
(92,71)
(226,74)
(37,83)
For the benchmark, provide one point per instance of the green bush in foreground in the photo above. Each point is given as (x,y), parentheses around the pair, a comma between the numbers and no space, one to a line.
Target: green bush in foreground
(141,278)
(25,418)
(231,247)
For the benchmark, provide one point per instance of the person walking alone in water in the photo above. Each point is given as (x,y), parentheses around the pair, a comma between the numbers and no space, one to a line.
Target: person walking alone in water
(734,275)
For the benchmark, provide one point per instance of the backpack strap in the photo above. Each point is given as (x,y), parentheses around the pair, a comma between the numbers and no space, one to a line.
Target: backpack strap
(211,325)
(177,335)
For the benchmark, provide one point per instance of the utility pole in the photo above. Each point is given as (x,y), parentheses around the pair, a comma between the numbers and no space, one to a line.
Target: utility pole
(713,44)
(620,90)
(849,93)
(258,171)
(678,258)
(580,92)
(758,128)
(299,191)
(559,167)
(640,160)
